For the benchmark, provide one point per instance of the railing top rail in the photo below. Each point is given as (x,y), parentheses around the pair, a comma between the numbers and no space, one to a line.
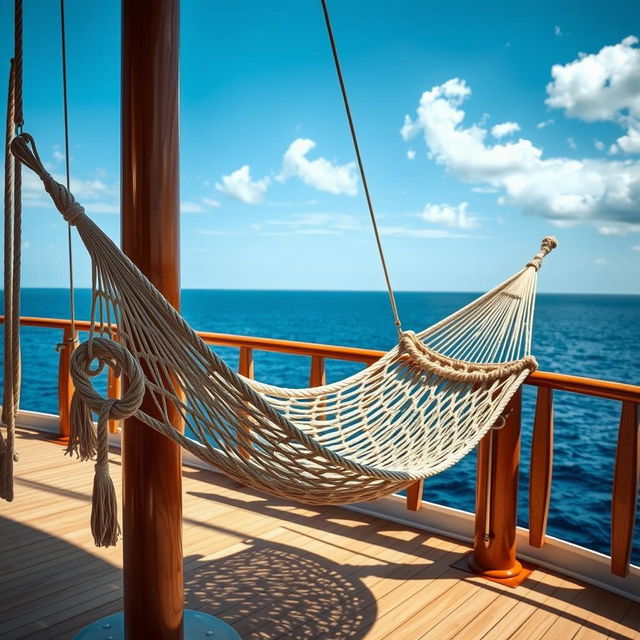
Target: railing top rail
(559,381)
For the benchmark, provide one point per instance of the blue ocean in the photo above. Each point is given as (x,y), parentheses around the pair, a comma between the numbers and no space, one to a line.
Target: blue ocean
(588,335)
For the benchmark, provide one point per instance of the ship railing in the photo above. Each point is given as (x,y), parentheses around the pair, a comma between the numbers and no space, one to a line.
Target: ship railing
(498,454)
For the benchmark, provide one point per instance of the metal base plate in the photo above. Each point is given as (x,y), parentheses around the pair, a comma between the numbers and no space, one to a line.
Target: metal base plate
(197,626)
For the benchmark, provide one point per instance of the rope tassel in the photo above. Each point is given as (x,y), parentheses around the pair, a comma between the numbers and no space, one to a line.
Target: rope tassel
(86,441)
(82,434)
(104,504)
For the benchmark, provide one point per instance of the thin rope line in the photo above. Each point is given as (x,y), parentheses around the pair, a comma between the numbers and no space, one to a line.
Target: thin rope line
(72,305)
(363,176)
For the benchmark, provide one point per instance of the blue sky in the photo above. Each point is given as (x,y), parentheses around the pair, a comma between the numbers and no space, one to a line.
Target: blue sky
(270,194)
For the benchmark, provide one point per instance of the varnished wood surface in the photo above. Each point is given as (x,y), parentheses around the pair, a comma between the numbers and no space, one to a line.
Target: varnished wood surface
(150,233)
(273,569)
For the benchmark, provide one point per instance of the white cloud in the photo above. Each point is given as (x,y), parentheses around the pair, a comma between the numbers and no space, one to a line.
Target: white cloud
(309,224)
(102,207)
(560,189)
(557,30)
(545,123)
(618,229)
(630,143)
(484,190)
(319,173)
(411,232)
(599,86)
(504,129)
(572,143)
(455,216)
(599,145)
(601,261)
(199,205)
(58,156)
(238,184)
(411,154)
(636,247)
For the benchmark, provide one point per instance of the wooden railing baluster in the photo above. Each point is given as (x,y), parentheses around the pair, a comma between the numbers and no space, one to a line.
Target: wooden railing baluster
(541,467)
(625,489)
(245,368)
(65,384)
(414,495)
(113,391)
(317,375)
(245,363)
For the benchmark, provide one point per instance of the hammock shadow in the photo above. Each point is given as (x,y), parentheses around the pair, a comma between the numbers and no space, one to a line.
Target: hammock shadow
(270,590)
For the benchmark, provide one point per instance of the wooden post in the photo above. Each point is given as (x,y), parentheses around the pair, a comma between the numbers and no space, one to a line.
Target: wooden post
(65,383)
(152,485)
(625,489)
(494,551)
(541,468)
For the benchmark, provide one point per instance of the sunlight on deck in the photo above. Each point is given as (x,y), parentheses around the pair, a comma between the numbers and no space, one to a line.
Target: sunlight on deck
(273,569)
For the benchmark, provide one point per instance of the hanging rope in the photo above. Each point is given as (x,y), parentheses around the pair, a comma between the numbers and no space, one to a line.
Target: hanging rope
(12,259)
(72,305)
(365,185)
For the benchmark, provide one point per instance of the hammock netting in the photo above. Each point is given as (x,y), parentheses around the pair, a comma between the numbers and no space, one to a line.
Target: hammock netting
(413,413)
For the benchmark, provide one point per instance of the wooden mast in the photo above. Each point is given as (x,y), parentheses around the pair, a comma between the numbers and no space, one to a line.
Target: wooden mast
(152,483)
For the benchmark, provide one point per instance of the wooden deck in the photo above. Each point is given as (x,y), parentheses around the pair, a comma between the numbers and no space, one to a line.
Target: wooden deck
(273,569)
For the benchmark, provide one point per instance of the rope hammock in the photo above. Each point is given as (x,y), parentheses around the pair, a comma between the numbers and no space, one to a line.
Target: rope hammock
(412,414)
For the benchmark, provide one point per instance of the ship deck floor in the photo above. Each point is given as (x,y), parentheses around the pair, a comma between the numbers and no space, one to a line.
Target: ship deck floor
(273,569)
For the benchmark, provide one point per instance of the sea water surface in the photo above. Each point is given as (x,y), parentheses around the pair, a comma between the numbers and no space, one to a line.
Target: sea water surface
(587,335)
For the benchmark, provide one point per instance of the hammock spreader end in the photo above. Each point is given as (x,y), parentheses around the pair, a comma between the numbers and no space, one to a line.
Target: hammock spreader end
(548,244)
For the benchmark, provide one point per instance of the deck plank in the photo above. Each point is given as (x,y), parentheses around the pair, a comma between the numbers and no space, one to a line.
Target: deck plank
(273,569)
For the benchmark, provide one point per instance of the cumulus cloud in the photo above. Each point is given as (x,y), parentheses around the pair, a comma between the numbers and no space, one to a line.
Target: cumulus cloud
(545,123)
(320,173)
(239,185)
(455,216)
(504,129)
(561,189)
(598,86)
(411,154)
(603,86)
(630,143)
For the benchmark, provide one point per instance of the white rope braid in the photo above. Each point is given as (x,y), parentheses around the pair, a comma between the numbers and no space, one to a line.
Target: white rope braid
(415,412)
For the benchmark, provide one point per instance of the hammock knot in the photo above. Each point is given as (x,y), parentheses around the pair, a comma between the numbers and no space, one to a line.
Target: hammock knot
(109,353)
(24,149)
(549,243)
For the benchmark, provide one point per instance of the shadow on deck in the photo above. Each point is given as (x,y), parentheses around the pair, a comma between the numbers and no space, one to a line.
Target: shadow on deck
(274,569)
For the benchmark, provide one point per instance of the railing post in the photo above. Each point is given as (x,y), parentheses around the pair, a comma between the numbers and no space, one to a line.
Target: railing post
(541,467)
(494,551)
(65,383)
(625,489)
